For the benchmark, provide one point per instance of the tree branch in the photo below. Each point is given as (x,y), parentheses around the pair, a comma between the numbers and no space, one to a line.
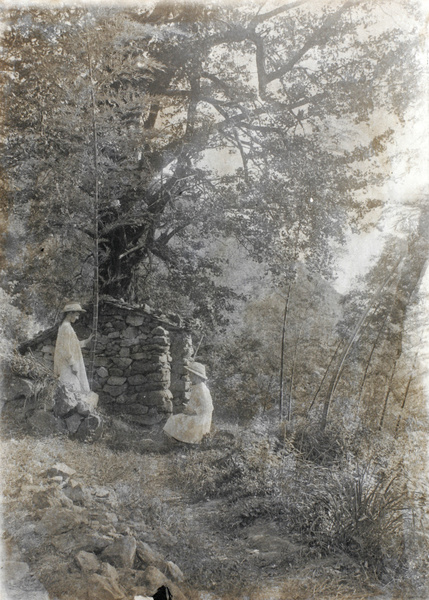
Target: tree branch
(258,19)
(317,38)
(164,238)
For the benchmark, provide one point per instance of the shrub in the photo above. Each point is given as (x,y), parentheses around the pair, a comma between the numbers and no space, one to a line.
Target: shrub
(358,511)
(248,466)
(354,508)
(43,380)
(320,446)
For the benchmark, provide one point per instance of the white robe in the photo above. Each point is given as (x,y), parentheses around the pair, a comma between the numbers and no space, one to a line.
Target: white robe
(68,355)
(191,428)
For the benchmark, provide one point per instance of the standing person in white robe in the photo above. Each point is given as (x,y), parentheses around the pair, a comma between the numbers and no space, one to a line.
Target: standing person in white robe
(68,360)
(195,421)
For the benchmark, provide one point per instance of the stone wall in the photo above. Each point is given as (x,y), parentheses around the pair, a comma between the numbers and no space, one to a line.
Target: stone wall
(139,364)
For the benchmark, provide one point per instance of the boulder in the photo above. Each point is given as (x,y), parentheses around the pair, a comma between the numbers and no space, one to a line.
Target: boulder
(93,541)
(103,588)
(57,479)
(149,556)
(48,349)
(111,517)
(121,553)
(103,492)
(59,520)
(73,541)
(87,561)
(18,387)
(51,496)
(90,429)
(60,469)
(83,408)
(73,422)
(109,571)
(90,400)
(166,537)
(176,592)
(173,571)
(77,493)
(45,423)
(65,401)
(152,578)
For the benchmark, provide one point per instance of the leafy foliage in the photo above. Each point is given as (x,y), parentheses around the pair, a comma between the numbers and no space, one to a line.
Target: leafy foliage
(175,92)
(356,505)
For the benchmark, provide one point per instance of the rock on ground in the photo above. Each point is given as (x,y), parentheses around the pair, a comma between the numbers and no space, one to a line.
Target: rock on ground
(103,588)
(16,580)
(121,553)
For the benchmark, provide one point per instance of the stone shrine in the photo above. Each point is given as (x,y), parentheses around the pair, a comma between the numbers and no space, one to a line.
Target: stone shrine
(140,359)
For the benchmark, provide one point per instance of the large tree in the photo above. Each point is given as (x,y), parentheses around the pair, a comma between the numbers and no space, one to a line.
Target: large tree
(141,108)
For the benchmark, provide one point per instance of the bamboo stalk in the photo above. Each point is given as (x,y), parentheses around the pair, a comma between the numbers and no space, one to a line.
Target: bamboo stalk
(407,389)
(380,331)
(324,377)
(289,410)
(282,354)
(337,375)
(389,387)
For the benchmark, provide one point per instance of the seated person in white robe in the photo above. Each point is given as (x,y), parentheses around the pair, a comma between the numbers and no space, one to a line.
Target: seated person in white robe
(68,360)
(195,421)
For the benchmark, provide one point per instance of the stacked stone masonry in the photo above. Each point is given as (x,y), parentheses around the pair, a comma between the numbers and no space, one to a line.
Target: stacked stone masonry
(139,362)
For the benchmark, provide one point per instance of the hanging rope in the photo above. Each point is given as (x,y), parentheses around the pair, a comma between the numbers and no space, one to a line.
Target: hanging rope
(96,225)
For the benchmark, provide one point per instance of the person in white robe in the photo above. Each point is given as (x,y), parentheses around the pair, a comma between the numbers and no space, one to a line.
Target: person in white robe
(195,422)
(68,360)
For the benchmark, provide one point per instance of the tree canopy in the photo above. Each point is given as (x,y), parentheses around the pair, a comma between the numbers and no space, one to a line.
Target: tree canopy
(206,122)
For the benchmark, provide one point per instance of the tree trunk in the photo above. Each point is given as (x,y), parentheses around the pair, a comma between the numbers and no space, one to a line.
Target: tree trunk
(282,354)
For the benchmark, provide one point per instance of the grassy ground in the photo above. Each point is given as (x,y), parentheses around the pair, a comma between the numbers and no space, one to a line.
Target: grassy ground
(191,508)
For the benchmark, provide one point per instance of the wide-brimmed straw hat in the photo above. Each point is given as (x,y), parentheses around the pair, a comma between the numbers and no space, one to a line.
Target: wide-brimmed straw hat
(198,369)
(73,307)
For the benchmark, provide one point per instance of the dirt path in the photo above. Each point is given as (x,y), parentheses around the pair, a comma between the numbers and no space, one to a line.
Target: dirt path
(143,497)
(255,561)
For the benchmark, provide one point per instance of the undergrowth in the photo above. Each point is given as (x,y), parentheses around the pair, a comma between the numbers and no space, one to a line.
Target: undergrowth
(351,505)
